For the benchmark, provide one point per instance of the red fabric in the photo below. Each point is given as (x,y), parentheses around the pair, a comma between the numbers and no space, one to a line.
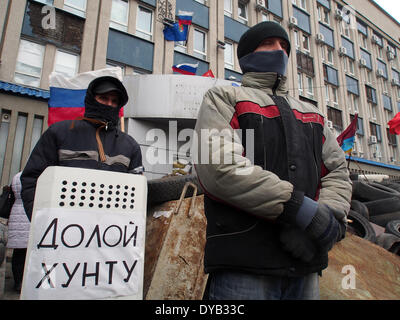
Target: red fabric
(68,113)
(349,132)
(394,124)
(209,73)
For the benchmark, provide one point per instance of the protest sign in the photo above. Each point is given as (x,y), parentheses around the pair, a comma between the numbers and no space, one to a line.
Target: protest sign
(87,236)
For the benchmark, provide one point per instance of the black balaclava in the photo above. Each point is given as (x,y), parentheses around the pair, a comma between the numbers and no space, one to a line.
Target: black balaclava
(99,111)
(262,61)
(265,61)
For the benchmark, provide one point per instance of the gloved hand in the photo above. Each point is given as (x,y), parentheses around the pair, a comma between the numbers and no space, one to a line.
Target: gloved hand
(298,243)
(317,220)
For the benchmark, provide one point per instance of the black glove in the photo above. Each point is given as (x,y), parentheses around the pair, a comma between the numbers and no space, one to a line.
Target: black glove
(317,220)
(298,243)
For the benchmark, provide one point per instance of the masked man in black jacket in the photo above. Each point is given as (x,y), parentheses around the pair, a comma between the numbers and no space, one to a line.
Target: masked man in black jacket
(91,142)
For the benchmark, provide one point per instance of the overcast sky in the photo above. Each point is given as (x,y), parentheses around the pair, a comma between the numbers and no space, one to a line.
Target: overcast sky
(391,6)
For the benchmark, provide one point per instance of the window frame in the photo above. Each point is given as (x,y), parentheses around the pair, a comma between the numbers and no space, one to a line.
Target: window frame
(145,32)
(69,53)
(244,20)
(116,24)
(26,74)
(74,9)
(197,53)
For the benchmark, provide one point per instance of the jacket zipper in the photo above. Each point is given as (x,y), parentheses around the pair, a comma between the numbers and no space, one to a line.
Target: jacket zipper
(314,157)
(276,84)
(264,153)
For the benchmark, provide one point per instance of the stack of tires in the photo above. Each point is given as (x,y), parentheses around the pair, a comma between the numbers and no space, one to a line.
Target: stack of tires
(377,203)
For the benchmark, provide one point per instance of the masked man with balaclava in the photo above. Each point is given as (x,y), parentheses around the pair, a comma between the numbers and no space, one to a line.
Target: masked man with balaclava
(92,142)
(277,191)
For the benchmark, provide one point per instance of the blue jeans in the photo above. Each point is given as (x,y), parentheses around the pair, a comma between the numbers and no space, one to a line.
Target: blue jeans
(228,285)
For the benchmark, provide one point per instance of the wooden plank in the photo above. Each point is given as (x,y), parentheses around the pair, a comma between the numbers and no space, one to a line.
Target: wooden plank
(377,272)
(174,255)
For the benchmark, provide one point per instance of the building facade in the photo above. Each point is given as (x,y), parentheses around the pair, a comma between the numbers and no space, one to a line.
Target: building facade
(346,59)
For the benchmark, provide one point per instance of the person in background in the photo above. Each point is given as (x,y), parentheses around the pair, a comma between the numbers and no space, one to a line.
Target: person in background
(271,217)
(18,233)
(92,142)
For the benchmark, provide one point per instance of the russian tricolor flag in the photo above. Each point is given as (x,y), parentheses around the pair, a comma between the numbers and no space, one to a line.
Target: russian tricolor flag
(186,68)
(185,17)
(67,95)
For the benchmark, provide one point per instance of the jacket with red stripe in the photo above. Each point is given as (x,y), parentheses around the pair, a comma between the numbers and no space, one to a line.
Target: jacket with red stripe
(249,174)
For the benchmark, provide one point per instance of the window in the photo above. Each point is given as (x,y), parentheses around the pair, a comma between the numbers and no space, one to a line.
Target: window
(296,39)
(306,43)
(18,144)
(371,94)
(387,102)
(229,55)
(36,130)
(310,86)
(301,3)
(144,24)
(327,98)
(305,63)
(323,14)
(77,7)
(4,130)
(242,12)
(363,41)
(29,65)
(199,47)
(330,75)
(119,15)
(335,116)
(228,8)
(380,52)
(372,109)
(264,17)
(352,101)
(66,64)
(334,95)
(323,56)
(391,138)
(351,66)
(300,82)
(330,56)
(375,131)
(180,46)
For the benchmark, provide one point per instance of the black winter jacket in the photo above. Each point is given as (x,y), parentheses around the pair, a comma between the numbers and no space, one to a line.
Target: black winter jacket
(292,149)
(77,147)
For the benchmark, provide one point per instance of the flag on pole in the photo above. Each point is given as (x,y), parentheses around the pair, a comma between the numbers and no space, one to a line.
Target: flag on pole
(185,17)
(176,32)
(347,137)
(186,68)
(394,124)
(209,73)
(67,95)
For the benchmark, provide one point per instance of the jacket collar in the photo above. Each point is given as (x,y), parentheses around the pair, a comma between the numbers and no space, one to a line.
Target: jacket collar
(266,81)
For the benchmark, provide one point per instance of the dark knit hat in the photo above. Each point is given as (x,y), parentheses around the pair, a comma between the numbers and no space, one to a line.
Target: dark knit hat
(253,37)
